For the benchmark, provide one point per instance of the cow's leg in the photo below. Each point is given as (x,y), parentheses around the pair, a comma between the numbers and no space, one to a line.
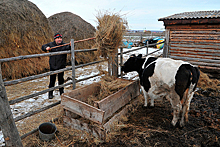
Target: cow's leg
(177,107)
(188,95)
(145,96)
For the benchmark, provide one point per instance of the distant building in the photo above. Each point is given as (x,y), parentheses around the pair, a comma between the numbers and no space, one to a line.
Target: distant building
(194,37)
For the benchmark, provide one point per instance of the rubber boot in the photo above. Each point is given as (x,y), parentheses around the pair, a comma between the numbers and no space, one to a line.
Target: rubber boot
(50,95)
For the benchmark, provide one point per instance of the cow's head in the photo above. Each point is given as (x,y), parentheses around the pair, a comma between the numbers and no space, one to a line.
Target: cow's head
(134,63)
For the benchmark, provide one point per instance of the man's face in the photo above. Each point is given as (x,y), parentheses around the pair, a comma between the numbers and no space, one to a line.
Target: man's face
(58,40)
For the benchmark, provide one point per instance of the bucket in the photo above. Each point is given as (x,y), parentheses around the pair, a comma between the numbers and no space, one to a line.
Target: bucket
(47,131)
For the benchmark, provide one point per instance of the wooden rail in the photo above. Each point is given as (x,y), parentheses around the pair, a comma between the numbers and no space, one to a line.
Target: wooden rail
(11,131)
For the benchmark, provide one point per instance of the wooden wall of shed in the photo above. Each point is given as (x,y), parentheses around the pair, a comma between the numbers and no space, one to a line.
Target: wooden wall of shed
(197,44)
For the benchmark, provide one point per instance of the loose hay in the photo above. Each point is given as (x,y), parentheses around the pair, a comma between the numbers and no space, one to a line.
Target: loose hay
(110,30)
(208,87)
(205,82)
(108,87)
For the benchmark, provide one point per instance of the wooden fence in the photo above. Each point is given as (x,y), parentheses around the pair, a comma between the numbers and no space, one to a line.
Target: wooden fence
(7,122)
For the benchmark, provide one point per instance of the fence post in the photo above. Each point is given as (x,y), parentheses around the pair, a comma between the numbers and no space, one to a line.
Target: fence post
(7,123)
(147,49)
(109,66)
(115,65)
(166,44)
(73,63)
(121,61)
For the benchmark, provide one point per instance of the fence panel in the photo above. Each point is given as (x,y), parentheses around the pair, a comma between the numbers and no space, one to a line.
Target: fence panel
(14,139)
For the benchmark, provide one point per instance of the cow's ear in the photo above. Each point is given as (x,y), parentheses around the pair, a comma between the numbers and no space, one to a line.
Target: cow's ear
(140,55)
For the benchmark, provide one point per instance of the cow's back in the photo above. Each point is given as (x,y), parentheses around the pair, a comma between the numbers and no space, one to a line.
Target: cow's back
(165,71)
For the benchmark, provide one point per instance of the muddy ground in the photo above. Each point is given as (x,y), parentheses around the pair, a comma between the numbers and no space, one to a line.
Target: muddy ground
(152,126)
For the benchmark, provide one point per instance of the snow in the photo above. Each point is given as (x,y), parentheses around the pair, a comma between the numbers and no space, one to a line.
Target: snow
(42,100)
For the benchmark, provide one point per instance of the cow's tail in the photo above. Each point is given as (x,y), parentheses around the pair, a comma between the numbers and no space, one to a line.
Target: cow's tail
(195,73)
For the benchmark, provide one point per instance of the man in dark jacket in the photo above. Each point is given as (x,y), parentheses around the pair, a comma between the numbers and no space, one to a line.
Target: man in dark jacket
(56,62)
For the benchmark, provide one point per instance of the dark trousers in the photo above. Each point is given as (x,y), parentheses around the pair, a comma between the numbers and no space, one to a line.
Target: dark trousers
(60,81)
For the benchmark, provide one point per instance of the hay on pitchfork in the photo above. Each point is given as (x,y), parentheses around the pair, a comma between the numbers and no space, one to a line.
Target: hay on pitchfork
(110,30)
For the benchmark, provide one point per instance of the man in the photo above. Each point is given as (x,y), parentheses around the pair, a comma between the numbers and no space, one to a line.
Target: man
(56,62)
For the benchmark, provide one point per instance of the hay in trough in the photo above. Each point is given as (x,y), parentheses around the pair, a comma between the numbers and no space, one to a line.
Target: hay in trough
(24,28)
(109,85)
(72,26)
(110,30)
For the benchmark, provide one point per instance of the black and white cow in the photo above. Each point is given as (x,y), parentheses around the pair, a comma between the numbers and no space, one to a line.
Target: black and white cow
(164,77)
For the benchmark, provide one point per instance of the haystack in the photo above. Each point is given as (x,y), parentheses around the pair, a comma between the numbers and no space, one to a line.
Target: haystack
(206,83)
(72,26)
(24,28)
(110,31)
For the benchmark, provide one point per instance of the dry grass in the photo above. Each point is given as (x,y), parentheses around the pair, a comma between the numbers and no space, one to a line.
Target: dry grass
(205,82)
(23,30)
(108,86)
(110,30)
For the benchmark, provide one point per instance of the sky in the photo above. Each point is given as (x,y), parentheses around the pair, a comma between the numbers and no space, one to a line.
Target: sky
(140,14)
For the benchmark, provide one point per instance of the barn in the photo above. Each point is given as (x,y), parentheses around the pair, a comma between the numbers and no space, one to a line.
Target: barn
(194,37)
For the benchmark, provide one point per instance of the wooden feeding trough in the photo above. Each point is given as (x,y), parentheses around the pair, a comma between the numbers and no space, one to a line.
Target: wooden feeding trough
(97,119)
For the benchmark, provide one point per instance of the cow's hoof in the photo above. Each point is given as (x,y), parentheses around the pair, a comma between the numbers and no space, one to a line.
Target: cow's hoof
(181,125)
(174,122)
(144,107)
(150,107)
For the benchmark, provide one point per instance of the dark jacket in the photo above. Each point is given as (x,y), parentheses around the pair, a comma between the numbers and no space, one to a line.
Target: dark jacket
(58,61)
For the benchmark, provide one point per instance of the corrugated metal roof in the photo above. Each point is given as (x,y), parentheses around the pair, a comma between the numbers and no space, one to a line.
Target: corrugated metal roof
(193,15)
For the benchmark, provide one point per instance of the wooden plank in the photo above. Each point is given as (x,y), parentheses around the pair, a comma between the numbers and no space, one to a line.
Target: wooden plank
(43,55)
(166,44)
(82,109)
(83,93)
(7,83)
(193,27)
(210,68)
(36,111)
(114,102)
(131,106)
(184,52)
(95,130)
(7,123)
(195,35)
(196,49)
(208,47)
(195,59)
(195,43)
(101,131)
(197,40)
(37,93)
(73,63)
(207,32)
(215,59)
(204,64)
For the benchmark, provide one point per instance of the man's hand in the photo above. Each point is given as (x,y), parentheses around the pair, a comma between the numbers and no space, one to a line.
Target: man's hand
(48,48)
